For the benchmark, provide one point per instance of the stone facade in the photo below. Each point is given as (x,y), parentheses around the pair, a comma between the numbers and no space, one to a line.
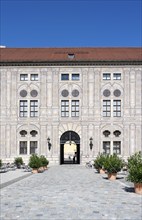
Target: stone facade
(93,89)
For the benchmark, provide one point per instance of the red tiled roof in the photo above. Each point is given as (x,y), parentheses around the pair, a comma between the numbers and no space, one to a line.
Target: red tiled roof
(61,54)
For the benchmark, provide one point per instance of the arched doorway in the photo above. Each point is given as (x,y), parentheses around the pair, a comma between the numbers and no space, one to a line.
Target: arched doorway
(70,148)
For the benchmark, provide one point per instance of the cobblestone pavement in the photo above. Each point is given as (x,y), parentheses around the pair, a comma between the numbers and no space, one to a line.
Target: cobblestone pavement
(70,192)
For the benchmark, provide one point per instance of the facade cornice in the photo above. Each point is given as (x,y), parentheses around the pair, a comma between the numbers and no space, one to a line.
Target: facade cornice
(73,63)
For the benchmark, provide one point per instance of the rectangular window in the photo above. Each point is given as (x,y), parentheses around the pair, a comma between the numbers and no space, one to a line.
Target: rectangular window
(106,147)
(23,108)
(65,76)
(33,147)
(23,77)
(117,76)
(75,108)
(34,108)
(106,108)
(117,147)
(34,77)
(65,108)
(106,76)
(23,147)
(75,76)
(117,108)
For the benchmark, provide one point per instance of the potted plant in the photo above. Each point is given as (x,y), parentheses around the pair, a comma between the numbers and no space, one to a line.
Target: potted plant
(44,163)
(135,171)
(18,162)
(34,163)
(99,163)
(113,164)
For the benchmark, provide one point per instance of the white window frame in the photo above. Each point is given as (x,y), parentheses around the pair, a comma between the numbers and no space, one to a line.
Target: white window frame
(23,77)
(116,76)
(23,108)
(106,76)
(106,108)
(34,77)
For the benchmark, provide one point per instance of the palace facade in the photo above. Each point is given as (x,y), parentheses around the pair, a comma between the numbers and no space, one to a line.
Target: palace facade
(69,104)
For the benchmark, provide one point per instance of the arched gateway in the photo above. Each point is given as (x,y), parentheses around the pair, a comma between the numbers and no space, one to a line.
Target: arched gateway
(70,148)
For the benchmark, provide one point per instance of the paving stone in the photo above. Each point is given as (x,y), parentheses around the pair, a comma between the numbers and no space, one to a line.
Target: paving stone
(69,193)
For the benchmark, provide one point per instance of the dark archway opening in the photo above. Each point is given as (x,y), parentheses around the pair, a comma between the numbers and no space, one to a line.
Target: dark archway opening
(70,148)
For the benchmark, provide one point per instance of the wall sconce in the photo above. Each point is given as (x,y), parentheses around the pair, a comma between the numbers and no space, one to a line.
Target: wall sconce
(49,144)
(91,144)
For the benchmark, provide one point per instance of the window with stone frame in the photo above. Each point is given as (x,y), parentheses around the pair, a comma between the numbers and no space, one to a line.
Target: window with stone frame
(33,147)
(106,108)
(106,76)
(64,76)
(23,147)
(23,108)
(75,76)
(23,77)
(34,108)
(34,77)
(117,147)
(23,133)
(75,108)
(117,76)
(106,147)
(116,108)
(64,108)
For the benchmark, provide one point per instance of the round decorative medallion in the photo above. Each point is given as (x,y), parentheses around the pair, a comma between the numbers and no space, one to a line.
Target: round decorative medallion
(23,93)
(34,93)
(106,93)
(117,92)
(75,93)
(65,93)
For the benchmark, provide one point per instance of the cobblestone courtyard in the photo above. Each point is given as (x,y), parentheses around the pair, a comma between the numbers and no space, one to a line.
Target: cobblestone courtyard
(70,192)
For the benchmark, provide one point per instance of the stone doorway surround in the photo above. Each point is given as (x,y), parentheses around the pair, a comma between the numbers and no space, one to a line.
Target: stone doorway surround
(70,148)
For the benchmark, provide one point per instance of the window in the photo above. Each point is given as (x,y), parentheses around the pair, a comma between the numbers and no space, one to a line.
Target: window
(106,108)
(106,133)
(75,76)
(23,108)
(64,76)
(33,133)
(34,77)
(23,147)
(23,77)
(106,147)
(106,76)
(117,147)
(65,108)
(117,108)
(117,76)
(75,108)
(34,108)
(33,147)
(23,133)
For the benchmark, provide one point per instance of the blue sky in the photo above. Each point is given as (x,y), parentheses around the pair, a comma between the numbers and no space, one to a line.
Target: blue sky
(75,23)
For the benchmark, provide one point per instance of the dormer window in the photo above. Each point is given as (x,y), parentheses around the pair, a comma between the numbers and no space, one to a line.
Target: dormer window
(71,55)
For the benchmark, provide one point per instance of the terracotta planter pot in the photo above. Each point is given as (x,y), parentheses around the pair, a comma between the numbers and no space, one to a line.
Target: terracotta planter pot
(41,169)
(45,168)
(112,176)
(101,171)
(34,170)
(138,188)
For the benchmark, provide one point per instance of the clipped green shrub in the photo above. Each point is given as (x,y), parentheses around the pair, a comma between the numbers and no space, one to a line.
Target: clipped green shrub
(99,161)
(18,161)
(44,161)
(113,163)
(34,161)
(135,168)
